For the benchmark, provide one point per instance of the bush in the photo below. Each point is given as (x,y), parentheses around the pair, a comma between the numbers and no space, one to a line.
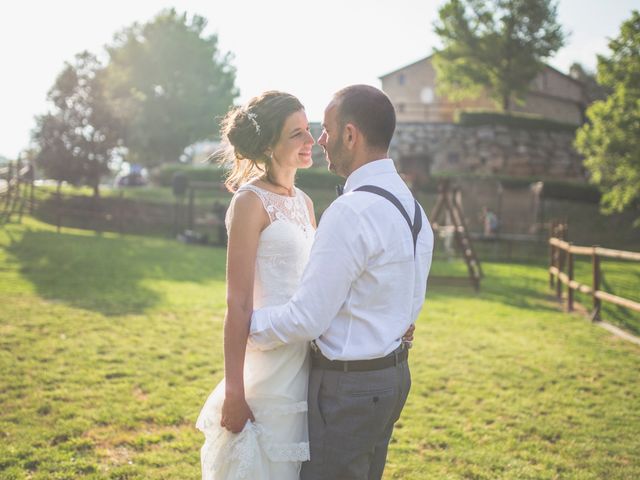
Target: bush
(317,178)
(527,122)
(577,192)
(163,176)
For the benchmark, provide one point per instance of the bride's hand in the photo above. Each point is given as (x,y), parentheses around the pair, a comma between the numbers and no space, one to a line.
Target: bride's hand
(235,413)
(407,338)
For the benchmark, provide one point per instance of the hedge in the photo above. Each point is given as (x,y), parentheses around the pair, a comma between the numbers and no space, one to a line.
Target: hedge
(320,178)
(311,178)
(577,192)
(557,189)
(163,176)
(553,189)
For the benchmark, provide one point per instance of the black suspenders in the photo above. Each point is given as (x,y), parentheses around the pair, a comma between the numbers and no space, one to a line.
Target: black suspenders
(415,227)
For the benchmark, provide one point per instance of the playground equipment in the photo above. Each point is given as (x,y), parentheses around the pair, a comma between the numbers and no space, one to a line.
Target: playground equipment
(16,190)
(449,208)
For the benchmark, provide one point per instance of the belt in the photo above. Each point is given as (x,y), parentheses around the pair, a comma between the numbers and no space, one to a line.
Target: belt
(399,355)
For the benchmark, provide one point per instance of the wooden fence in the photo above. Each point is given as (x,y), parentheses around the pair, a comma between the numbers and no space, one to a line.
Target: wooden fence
(16,190)
(198,221)
(561,262)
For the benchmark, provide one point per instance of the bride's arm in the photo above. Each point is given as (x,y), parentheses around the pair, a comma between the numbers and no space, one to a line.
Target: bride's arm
(247,219)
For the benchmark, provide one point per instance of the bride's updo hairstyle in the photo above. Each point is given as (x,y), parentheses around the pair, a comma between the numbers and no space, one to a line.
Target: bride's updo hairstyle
(250,131)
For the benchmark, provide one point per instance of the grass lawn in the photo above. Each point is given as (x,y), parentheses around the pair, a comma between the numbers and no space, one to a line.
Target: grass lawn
(620,278)
(110,344)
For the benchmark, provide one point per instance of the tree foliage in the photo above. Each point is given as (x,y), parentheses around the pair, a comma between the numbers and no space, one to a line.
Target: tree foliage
(167,82)
(76,139)
(610,141)
(497,45)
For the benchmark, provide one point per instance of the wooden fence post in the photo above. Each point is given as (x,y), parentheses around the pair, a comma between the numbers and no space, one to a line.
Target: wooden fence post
(191,213)
(551,264)
(17,199)
(120,211)
(560,252)
(9,194)
(570,273)
(32,195)
(552,253)
(596,284)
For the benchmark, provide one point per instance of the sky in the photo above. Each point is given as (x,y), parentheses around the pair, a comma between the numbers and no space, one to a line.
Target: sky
(309,49)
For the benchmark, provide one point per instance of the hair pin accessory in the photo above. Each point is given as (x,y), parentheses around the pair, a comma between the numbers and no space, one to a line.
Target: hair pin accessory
(253,117)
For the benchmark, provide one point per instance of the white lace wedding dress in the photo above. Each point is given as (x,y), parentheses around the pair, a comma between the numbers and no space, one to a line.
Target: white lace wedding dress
(274,446)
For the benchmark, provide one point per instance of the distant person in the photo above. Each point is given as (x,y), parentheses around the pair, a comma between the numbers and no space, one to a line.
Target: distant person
(490,222)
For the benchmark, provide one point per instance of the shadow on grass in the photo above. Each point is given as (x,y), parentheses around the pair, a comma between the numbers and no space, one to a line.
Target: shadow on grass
(517,285)
(109,274)
(621,316)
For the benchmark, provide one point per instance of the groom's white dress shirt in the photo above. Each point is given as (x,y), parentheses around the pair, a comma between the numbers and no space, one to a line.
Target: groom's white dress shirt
(363,286)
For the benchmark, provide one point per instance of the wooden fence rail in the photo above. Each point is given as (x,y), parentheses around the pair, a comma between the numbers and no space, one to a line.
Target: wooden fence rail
(561,260)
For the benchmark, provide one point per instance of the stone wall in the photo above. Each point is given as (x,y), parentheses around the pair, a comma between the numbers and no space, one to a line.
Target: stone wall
(488,149)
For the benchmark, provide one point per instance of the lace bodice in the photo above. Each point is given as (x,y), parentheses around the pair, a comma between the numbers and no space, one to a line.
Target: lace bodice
(281,207)
(283,249)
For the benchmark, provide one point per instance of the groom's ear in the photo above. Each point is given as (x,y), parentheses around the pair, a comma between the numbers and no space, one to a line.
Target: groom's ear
(350,135)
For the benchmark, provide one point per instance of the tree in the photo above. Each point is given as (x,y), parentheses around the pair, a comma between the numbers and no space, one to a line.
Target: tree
(167,82)
(498,45)
(610,141)
(75,141)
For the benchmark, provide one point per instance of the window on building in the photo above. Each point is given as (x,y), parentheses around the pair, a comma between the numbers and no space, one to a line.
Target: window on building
(426,95)
(401,79)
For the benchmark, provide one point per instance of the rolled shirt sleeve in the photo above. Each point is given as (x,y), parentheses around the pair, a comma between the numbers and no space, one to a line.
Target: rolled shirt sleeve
(337,258)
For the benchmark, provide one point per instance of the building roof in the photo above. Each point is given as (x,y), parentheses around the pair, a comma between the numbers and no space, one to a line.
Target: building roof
(406,66)
(569,77)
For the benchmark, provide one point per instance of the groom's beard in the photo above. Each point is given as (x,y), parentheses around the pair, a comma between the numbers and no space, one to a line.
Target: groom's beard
(337,159)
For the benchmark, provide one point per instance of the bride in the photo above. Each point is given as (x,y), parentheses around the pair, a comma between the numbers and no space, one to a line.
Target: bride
(255,421)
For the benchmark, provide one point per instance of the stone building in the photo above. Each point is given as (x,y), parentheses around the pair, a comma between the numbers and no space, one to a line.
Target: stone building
(428,140)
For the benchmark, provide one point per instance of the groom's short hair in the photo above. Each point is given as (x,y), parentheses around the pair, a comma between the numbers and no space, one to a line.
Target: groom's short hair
(370,110)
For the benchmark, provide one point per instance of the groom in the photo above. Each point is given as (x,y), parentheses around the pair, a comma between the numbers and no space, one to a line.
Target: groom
(362,289)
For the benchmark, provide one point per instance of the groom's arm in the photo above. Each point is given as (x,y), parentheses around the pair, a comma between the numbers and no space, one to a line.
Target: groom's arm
(337,258)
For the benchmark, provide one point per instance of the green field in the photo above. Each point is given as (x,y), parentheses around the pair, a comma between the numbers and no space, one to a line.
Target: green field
(110,344)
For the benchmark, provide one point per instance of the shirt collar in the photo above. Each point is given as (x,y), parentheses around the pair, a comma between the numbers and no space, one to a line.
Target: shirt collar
(361,175)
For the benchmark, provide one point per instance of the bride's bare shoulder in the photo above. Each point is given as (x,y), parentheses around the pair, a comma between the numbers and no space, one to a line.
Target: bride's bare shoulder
(246,208)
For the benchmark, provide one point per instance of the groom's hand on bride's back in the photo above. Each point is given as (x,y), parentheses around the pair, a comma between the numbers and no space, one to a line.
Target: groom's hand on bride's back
(235,414)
